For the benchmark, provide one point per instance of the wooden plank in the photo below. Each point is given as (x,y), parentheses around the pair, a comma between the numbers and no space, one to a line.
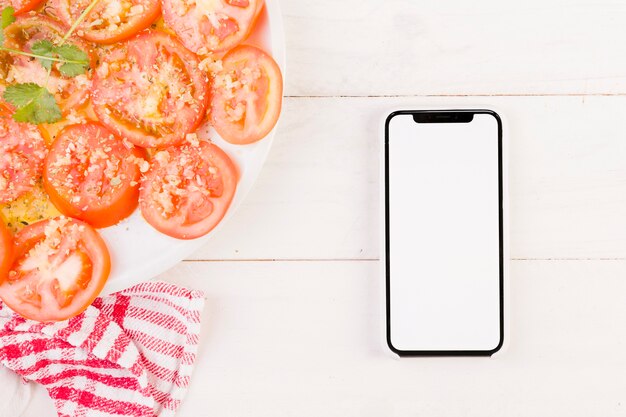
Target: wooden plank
(317,197)
(374,47)
(304,338)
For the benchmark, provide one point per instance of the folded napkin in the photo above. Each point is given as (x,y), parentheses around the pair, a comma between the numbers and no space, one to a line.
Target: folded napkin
(129,354)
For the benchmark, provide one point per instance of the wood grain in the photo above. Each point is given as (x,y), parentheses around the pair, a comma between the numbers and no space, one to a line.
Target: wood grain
(317,197)
(483,47)
(304,339)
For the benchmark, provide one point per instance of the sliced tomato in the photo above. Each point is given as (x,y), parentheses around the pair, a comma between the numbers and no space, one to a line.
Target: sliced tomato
(188,189)
(70,92)
(247,95)
(60,267)
(259,9)
(110,20)
(20,6)
(6,250)
(22,153)
(150,90)
(92,175)
(210,25)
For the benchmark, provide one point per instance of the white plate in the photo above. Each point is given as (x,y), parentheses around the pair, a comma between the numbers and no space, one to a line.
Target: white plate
(138,252)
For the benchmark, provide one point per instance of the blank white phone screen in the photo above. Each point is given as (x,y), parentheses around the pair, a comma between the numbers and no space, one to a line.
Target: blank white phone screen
(444,234)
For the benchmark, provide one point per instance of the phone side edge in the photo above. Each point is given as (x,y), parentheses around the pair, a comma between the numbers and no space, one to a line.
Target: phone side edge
(385,263)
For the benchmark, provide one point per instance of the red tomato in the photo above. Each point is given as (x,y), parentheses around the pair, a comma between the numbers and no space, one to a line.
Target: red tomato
(6,251)
(211,25)
(60,267)
(247,95)
(259,8)
(150,90)
(188,189)
(92,175)
(20,6)
(22,152)
(70,92)
(110,20)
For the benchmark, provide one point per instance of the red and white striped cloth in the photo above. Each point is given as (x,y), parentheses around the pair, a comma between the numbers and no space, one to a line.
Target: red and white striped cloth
(129,354)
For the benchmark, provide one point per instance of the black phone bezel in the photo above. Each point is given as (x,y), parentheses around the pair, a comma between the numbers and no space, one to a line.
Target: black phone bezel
(450,118)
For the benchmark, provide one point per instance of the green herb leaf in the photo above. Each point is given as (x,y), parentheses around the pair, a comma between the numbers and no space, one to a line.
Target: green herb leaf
(6,18)
(21,94)
(72,70)
(71,53)
(43,48)
(43,110)
(34,103)
(73,59)
(75,54)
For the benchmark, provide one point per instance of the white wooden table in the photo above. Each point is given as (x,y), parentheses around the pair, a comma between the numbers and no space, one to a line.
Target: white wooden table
(292,325)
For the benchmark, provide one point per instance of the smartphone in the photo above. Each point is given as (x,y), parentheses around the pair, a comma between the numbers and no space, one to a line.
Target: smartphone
(444,232)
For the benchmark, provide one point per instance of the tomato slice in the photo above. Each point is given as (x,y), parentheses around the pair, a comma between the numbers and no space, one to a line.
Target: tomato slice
(60,267)
(20,6)
(188,189)
(70,92)
(259,9)
(247,95)
(150,90)
(92,175)
(6,250)
(22,152)
(210,25)
(110,20)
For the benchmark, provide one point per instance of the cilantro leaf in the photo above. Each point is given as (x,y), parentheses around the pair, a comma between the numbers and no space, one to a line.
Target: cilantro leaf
(71,53)
(75,54)
(6,18)
(73,59)
(42,47)
(43,110)
(21,94)
(45,49)
(72,70)
(34,103)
